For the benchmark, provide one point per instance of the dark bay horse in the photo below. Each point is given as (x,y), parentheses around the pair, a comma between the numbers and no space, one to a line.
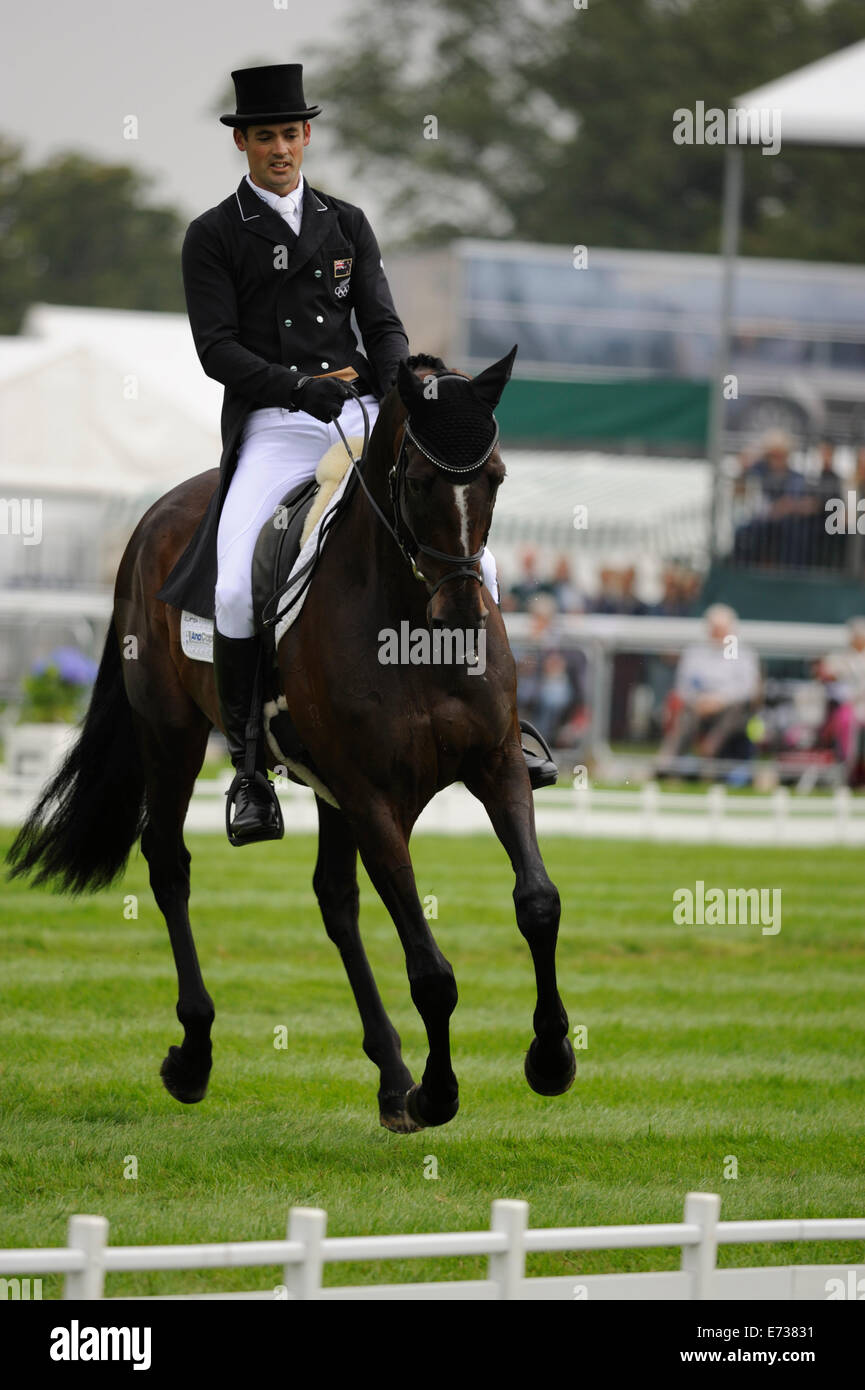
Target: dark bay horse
(384,739)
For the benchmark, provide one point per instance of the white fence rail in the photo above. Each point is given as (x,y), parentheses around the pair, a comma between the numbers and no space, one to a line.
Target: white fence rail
(88,1258)
(647,813)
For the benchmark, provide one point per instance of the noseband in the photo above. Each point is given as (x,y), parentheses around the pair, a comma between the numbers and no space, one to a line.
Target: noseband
(462,565)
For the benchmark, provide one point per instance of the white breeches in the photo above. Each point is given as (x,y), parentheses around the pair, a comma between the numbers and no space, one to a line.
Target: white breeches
(278,449)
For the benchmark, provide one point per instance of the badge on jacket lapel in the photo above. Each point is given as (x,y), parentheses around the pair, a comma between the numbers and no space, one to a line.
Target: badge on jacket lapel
(341,268)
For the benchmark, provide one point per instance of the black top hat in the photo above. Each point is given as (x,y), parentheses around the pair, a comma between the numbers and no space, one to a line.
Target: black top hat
(272,93)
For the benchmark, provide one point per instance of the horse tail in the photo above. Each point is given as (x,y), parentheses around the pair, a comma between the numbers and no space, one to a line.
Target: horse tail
(89,815)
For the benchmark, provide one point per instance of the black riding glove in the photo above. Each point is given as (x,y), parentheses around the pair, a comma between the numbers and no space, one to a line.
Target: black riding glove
(323,397)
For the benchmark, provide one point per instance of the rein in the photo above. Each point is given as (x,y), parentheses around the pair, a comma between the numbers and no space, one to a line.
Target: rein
(396,480)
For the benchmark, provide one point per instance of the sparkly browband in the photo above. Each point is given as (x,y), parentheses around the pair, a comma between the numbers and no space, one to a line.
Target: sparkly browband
(450,467)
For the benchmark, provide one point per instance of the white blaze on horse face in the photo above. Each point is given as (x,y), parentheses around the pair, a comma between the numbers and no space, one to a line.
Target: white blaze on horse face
(460,490)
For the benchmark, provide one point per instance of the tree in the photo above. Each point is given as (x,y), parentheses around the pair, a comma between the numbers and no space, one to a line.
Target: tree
(17,277)
(76,231)
(543,121)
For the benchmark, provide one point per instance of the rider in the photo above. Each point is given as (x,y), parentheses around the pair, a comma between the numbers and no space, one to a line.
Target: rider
(271,277)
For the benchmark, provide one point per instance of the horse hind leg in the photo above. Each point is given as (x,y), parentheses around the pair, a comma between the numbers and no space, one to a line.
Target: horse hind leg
(335,884)
(172,757)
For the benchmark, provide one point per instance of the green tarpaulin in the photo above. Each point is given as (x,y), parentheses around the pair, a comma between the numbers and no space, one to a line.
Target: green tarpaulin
(652,411)
(784,596)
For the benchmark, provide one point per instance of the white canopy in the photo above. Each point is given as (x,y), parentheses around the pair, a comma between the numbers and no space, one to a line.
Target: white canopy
(104,401)
(820,104)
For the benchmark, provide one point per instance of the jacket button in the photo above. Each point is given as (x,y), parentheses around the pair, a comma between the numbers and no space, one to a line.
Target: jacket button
(287,323)
(325,365)
(292,369)
(317,274)
(319,318)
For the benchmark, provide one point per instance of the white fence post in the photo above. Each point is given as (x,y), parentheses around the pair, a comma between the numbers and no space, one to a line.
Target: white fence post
(651,805)
(702,1209)
(508,1269)
(308,1225)
(716,805)
(90,1234)
(841,799)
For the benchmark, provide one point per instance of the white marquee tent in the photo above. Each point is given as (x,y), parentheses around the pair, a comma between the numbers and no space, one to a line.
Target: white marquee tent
(822,103)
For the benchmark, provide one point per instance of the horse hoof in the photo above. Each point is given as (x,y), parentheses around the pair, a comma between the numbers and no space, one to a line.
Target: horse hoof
(423,1115)
(396,1117)
(555,1083)
(185,1081)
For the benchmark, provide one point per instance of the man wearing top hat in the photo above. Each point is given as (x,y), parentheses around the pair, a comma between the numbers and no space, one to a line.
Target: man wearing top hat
(271,277)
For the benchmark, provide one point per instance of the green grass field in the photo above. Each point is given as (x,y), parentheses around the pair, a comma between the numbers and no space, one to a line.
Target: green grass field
(702,1043)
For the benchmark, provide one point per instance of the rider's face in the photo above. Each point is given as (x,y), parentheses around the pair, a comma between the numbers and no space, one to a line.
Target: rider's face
(275,153)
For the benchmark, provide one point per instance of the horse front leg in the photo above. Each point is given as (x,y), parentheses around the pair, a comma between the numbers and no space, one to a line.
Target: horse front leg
(384,849)
(502,785)
(335,884)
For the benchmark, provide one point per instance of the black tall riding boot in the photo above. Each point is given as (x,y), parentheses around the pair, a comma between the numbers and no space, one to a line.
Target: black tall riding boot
(257,814)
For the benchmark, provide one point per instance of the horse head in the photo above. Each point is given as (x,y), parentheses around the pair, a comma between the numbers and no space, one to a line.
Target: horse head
(444,481)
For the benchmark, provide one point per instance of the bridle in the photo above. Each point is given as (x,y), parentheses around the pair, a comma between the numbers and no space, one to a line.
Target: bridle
(462,565)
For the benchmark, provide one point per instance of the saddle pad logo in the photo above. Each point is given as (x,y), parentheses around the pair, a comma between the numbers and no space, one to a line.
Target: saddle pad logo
(342,267)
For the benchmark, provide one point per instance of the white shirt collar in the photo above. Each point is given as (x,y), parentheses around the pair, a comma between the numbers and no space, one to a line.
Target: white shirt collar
(291,202)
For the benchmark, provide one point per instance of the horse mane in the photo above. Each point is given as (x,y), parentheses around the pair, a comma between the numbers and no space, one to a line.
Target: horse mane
(426,359)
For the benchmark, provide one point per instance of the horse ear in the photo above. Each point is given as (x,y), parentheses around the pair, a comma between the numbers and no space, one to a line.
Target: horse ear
(491,382)
(407,384)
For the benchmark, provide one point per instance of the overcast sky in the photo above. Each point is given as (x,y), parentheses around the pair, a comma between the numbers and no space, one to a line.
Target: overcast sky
(72,72)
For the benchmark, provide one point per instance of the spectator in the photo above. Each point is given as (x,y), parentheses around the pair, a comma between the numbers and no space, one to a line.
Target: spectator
(555,695)
(828,550)
(717,684)
(677,598)
(844,675)
(828,482)
(779,533)
(617,593)
(549,681)
(564,590)
(630,603)
(529,585)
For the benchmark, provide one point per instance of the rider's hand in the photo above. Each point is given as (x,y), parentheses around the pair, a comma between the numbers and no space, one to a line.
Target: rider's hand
(323,397)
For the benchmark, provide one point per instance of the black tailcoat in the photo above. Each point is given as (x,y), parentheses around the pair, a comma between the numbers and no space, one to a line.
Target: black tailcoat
(266,307)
